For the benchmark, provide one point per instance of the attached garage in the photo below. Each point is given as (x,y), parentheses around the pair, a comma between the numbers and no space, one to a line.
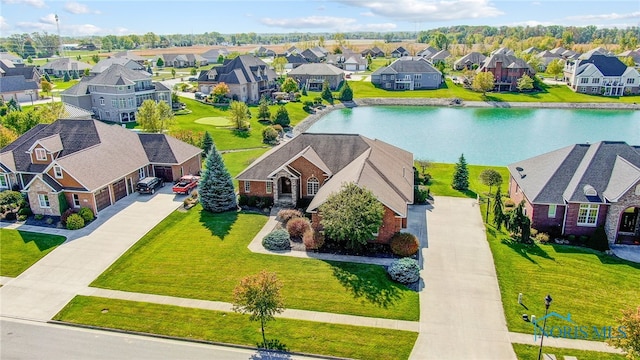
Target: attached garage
(103,199)
(164,172)
(119,189)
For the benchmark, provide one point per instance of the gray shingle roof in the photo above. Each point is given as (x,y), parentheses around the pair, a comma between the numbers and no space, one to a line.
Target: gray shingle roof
(240,70)
(117,74)
(316,69)
(608,65)
(561,176)
(407,64)
(471,58)
(382,168)
(16,83)
(104,64)
(66,64)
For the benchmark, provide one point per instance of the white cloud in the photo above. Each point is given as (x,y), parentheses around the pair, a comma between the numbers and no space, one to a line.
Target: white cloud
(76,29)
(34,3)
(3,24)
(77,8)
(48,19)
(604,17)
(84,29)
(367,13)
(428,10)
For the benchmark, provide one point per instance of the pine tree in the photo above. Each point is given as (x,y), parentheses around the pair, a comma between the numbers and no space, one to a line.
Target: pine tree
(498,214)
(216,186)
(282,117)
(461,176)
(263,110)
(67,78)
(46,76)
(326,92)
(207,142)
(346,94)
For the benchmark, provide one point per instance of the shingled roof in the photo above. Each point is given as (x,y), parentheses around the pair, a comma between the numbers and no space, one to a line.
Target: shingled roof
(407,64)
(240,70)
(562,175)
(384,169)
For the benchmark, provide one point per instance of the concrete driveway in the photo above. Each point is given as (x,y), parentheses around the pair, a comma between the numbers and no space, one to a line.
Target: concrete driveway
(46,287)
(461,314)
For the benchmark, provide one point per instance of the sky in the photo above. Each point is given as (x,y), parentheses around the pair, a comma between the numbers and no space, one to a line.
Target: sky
(117,17)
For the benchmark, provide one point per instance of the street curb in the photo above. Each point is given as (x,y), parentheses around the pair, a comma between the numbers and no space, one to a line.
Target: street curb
(197,341)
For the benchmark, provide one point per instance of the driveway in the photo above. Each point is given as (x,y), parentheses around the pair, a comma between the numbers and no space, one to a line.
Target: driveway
(46,287)
(461,314)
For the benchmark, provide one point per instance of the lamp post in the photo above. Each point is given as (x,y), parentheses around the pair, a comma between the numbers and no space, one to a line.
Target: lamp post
(547,303)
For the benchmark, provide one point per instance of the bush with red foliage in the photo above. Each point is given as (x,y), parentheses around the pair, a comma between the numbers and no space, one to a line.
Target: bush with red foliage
(287,214)
(404,244)
(312,239)
(298,226)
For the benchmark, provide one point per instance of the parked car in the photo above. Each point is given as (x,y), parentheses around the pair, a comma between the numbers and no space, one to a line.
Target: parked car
(199,96)
(193,79)
(186,184)
(348,76)
(149,185)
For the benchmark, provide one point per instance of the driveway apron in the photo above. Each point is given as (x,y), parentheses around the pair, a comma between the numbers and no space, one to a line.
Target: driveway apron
(46,287)
(461,314)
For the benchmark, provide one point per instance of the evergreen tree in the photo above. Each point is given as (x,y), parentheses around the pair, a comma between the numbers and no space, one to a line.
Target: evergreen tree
(346,94)
(66,76)
(461,176)
(216,186)
(304,91)
(498,214)
(263,110)
(75,75)
(46,77)
(160,62)
(149,70)
(282,117)
(326,92)
(207,142)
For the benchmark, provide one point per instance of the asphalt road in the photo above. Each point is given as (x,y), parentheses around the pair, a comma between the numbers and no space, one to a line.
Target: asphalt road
(35,340)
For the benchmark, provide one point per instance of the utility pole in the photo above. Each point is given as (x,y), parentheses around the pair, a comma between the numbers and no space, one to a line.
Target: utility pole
(61,49)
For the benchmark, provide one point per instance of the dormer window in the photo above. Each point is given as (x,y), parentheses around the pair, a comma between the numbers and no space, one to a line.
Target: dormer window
(41,154)
(589,191)
(57,172)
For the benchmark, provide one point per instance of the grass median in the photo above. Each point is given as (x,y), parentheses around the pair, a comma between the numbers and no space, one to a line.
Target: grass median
(296,335)
(530,352)
(203,256)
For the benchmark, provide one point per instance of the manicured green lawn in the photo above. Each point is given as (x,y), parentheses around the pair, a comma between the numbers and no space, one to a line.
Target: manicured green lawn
(237,161)
(592,286)
(203,256)
(442,176)
(21,249)
(552,93)
(215,121)
(297,335)
(530,352)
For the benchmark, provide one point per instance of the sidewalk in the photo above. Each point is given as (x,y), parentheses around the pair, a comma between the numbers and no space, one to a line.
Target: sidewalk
(527,339)
(46,287)
(461,314)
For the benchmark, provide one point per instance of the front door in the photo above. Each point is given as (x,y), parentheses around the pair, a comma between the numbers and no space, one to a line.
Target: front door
(628,221)
(285,185)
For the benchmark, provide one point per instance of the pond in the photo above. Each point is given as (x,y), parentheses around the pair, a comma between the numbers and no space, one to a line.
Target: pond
(486,136)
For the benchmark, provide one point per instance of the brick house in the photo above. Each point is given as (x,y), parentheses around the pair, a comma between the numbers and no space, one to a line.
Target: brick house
(86,163)
(573,190)
(506,70)
(310,167)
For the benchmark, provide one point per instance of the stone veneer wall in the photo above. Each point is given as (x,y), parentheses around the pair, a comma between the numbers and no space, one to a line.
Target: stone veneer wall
(612,223)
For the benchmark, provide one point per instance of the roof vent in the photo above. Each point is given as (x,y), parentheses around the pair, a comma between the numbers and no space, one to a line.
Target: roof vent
(520,170)
(589,190)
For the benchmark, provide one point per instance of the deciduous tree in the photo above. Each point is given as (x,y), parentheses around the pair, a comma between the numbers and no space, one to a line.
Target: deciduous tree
(461,175)
(216,186)
(525,83)
(289,85)
(631,342)
(352,216)
(263,110)
(483,82)
(7,136)
(490,178)
(278,64)
(154,117)
(220,91)
(555,68)
(238,114)
(259,296)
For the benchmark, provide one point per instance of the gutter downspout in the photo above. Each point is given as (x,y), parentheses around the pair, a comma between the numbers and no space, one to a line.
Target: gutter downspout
(564,220)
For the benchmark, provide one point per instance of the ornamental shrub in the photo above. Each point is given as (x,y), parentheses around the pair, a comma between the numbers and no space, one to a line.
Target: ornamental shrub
(404,244)
(22,217)
(542,238)
(287,214)
(65,215)
(86,214)
(10,216)
(75,222)
(405,270)
(277,240)
(598,241)
(312,239)
(298,226)
(25,211)
(38,216)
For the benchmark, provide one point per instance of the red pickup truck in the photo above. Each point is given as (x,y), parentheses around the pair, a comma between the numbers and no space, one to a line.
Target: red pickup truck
(186,184)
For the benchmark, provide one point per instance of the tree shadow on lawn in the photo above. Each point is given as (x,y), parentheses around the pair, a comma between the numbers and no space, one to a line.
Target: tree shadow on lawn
(604,258)
(366,285)
(524,250)
(272,350)
(43,242)
(219,224)
(241,133)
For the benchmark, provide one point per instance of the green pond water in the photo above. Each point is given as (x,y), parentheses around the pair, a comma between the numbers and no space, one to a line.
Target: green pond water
(486,136)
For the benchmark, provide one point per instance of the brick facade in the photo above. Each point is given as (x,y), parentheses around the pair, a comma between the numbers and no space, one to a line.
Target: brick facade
(307,170)
(541,221)
(571,226)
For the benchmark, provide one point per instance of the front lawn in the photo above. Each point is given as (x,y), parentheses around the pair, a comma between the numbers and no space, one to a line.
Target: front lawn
(530,352)
(550,93)
(592,286)
(203,256)
(442,176)
(297,335)
(21,249)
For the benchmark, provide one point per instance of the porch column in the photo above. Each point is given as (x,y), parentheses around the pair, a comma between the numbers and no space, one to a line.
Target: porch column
(276,190)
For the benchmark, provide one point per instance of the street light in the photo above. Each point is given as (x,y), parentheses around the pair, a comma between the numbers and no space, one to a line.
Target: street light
(547,303)
(30,93)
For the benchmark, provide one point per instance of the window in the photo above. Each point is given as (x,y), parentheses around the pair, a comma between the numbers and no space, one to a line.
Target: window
(102,101)
(5,184)
(114,103)
(631,81)
(43,199)
(312,185)
(57,172)
(269,187)
(582,89)
(417,76)
(594,89)
(387,85)
(588,214)
(552,211)
(384,77)
(247,186)
(76,200)
(418,85)
(584,80)
(595,80)
(41,154)
(141,173)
